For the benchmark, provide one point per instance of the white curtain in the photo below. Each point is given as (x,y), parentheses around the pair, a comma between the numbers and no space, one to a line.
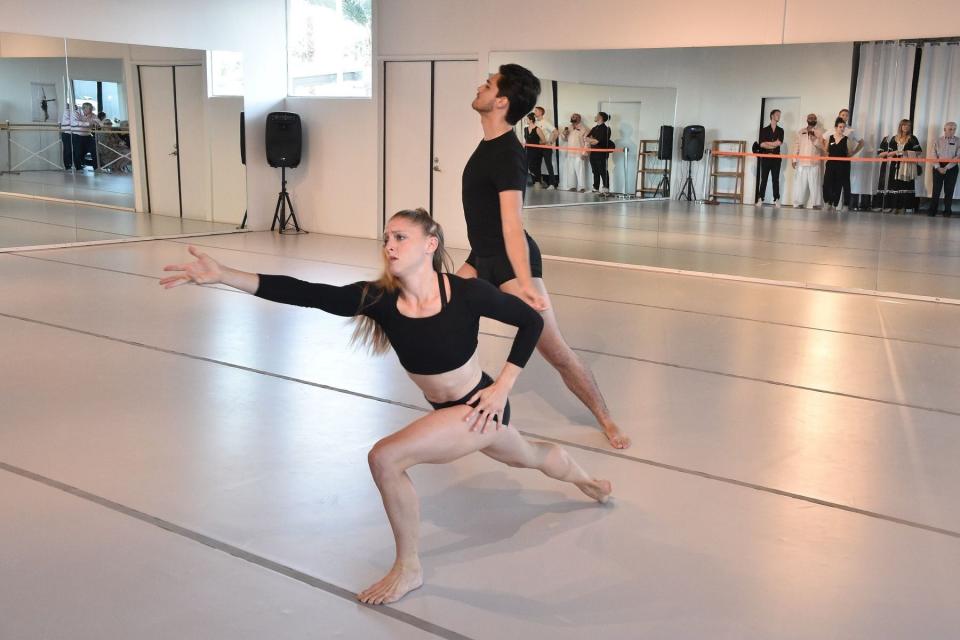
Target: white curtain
(884,87)
(938,99)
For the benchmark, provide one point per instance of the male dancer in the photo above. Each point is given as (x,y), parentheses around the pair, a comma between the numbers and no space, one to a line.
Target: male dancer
(502,253)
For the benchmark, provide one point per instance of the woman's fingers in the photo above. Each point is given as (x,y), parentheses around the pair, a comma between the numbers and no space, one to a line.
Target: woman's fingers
(196,253)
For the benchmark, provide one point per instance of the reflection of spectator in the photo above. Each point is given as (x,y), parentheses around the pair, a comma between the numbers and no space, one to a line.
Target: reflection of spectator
(836,176)
(550,133)
(599,138)
(575,163)
(806,179)
(72,145)
(947,150)
(901,176)
(87,123)
(533,135)
(771,137)
(854,144)
(113,150)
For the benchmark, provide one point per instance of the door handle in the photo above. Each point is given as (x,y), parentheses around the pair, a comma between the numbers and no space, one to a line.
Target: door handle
(436,165)
(175,152)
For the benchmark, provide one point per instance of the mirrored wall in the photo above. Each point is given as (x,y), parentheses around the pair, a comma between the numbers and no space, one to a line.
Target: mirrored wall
(885,237)
(102,141)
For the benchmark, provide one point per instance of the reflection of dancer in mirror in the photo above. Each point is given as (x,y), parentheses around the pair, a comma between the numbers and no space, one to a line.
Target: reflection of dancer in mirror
(502,253)
(432,321)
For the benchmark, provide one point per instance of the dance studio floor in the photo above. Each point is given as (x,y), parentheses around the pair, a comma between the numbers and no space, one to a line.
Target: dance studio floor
(192,463)
(911,254)
(113,189)
(27,222)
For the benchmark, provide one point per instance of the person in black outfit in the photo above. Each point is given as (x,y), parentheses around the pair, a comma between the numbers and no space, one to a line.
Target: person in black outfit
(533,135)
(599,138)
(836,175)
(501,252)
(771,138)
(432,321)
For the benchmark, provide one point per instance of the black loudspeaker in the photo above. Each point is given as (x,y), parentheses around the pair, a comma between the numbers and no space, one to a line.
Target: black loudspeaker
(665,143)
(691,143)
(243,139)
(284,138)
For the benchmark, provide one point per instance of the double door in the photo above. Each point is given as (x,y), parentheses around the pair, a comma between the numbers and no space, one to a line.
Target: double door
(430,130)
(174,140)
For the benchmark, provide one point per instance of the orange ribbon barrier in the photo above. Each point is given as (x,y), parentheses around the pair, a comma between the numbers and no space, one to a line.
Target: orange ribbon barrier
(824,158)
(580,149)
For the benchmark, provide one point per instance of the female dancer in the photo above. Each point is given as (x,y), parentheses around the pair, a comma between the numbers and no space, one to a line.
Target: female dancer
(432,320)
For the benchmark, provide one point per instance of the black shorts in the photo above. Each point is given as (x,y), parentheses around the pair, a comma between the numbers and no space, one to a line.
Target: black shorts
(496,269)
(485,381)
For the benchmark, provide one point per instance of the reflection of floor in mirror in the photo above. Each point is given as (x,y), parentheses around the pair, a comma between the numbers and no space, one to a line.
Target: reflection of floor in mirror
(793,473)
(908,254)
(537,197)
(29,222)
(114,189)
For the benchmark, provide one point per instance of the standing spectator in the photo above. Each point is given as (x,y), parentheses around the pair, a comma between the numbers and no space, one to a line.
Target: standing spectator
(533,135)
(550,133)
(771,138)
(854,145)
(87,123)
(947,151)
(836,176)
(902,176)
(599,138)
(575,163)
(806,179)
(72,145)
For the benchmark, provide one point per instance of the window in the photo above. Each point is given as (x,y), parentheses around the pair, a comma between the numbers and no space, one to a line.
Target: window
(329,48)
(225,73)
(106,97)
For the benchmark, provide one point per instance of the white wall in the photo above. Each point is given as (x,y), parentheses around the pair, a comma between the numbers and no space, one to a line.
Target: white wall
(254,27)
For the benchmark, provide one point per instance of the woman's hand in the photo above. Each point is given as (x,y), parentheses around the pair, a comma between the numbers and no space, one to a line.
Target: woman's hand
(204,270)
(490,404)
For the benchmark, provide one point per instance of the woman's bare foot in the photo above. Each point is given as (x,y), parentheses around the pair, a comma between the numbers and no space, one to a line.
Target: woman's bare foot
(599,490)
(618,439)
(400,581)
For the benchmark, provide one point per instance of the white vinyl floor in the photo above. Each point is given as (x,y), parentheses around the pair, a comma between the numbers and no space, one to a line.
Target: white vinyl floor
(192,463)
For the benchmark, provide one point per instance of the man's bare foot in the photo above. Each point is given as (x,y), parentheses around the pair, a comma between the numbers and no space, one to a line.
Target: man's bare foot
(599,490)
(400,581)
(618,439)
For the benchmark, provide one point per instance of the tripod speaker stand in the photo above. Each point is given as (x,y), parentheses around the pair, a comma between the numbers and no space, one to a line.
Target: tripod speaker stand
(283,201)
(687,192)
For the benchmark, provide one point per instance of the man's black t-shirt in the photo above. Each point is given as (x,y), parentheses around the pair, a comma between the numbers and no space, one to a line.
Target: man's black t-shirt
(770,135)
(496,165)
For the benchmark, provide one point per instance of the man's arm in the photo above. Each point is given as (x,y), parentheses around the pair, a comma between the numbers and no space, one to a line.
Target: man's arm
(515,243)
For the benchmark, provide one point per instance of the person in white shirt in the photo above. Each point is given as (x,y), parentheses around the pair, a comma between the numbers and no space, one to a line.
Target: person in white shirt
(854,145)
(551,133)
(575,162)
(806,177)
(947,150)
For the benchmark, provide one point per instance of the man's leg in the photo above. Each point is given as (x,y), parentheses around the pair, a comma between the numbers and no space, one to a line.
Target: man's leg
(575,374)
(949,184)
(935,196)
(775,170)
(764,172)
(548,160)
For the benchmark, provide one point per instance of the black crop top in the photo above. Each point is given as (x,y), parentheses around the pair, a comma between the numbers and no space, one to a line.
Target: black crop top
(436,344)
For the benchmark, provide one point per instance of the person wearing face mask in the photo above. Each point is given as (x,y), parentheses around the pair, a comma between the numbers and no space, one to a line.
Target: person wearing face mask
(806,179)
(575,162)
(946,150)
(599,138)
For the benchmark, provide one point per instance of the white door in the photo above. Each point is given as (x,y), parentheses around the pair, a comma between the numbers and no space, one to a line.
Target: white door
(175,141)
(790,119)
(192,143)
(456,133)
(625,132)
(160,139)
(406,139)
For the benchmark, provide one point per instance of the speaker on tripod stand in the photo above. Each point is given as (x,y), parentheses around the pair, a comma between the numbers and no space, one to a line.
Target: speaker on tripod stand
(691,150)
(284,140)
(665,153)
